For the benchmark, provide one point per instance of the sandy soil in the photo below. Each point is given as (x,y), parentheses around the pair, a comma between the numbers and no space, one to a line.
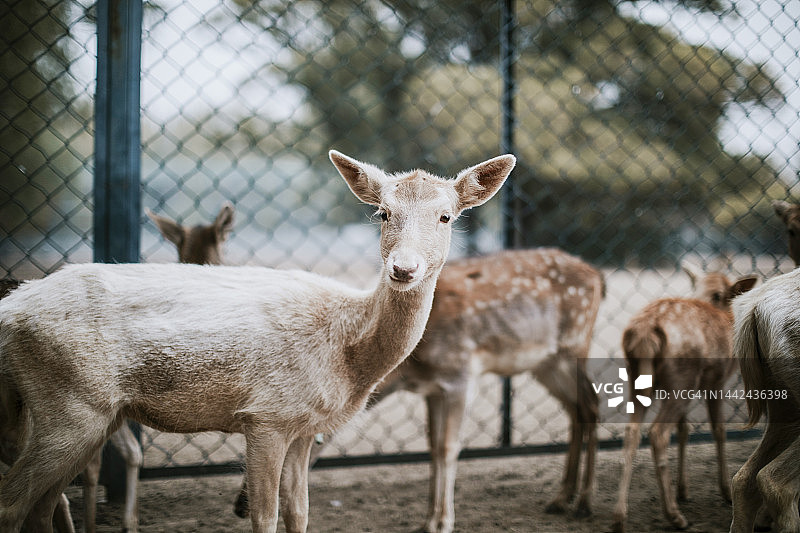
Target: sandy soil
(492,495)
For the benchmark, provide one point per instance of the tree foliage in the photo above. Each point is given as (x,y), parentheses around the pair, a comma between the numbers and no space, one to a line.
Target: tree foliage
(617,120)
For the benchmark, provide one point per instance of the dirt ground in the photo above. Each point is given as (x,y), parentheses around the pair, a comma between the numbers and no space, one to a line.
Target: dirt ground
(492,495)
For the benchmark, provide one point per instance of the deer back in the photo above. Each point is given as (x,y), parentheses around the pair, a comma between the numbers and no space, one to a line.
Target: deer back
(506,311)
(230,336)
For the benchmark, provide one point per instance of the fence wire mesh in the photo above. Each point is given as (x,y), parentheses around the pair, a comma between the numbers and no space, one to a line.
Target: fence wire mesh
(648,133)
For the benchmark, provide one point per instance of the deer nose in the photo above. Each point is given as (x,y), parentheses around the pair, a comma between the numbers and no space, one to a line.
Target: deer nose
(404,272)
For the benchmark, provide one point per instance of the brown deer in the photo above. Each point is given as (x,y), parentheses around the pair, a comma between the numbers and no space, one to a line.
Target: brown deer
(766,335)
(276,355)
(200,245)
(683,344)
(505,313)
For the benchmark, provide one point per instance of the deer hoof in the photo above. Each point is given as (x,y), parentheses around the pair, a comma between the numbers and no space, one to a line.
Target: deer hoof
(679,522)
(583,510)
(241,507)
(618,526)
(556,507)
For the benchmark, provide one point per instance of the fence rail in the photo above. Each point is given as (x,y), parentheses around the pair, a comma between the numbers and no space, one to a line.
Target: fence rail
(647,134)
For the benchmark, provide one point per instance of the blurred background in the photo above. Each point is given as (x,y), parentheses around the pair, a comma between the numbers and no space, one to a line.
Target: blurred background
(648,133)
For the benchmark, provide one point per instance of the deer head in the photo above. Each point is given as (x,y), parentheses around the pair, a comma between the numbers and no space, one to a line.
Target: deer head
(417,211)
(201,245)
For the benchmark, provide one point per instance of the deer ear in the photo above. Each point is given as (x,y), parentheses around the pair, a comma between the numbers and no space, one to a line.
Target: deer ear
(223,224)
(782,208)
(362,178)
(742,285)
(171,230)
(691,271)
(476,185)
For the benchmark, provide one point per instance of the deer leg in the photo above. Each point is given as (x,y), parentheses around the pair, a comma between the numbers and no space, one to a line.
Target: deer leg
(718,430)
(683,439)
(32,488)
(294,485)
(633,436)
(241,507)
(266,451)
(587,417)
(672,409)
(569,482)
(91,476)
(572,388)
(9,451)
(584,507)
(391,383)
(41,517)
(62,519)
(747,498)
(779,484)
(445,415)
(129,448)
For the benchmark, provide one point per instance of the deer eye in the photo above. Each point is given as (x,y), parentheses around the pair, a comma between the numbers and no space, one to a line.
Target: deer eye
(382,214)
(444,219)
(716,297)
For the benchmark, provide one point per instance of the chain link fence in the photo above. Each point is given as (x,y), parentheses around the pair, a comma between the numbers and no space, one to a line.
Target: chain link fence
(648,133)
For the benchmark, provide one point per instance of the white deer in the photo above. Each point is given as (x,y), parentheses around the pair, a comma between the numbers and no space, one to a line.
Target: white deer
(766,341)
(504,313)
(275,355)
(201,245)
(684,344)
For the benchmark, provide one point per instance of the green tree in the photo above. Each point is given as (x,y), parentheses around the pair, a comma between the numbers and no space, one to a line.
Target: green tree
(616,120)
(644,111)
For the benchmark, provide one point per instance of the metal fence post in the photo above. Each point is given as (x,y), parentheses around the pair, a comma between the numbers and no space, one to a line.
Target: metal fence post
(117,134)
(510,237)
(117,158)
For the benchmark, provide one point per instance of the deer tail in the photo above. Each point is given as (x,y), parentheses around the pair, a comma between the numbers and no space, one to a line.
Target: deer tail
(747,348)
(642,347)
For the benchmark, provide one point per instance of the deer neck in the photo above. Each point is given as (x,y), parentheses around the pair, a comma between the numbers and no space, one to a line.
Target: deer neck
(393,325)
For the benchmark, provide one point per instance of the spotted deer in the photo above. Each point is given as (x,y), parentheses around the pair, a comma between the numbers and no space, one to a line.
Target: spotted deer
(505,313)
(790,214)
(276,355)
(766,343)
(202,245)
(684,344)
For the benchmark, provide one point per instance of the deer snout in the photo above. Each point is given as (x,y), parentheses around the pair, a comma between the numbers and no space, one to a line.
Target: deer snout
(404,273)
(405,267)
